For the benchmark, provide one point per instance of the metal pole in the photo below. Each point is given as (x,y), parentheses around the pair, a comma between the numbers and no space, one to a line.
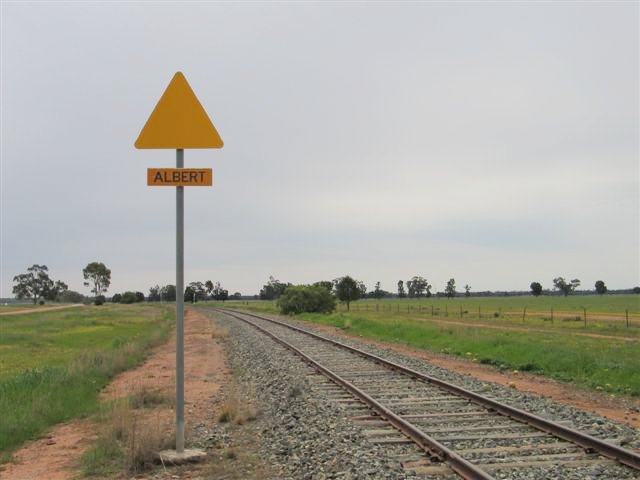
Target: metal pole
(179,309)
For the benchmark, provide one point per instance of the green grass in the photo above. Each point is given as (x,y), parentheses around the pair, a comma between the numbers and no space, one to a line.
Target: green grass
(605,314)
(555,350)
(54,364)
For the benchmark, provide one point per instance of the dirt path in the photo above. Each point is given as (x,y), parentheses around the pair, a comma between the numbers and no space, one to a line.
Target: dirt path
(526,329)
(622,409)
(55,456)
(35,310)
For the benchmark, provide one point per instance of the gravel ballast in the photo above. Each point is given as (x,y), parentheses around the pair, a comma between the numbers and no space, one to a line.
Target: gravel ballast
(304,433)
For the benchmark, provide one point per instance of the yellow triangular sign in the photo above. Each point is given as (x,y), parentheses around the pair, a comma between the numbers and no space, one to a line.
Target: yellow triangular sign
(178,121)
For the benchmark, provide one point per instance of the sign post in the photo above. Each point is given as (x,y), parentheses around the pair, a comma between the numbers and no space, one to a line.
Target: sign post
(179,308)
(178,122)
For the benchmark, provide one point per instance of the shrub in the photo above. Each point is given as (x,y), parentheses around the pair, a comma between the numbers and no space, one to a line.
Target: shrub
(71,297)
(99,300)
(306,298)
(128,297)
(117,298)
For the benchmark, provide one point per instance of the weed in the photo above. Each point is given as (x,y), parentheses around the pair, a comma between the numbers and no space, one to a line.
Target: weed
(129,441)
(236,410)
(217,331)
(145,397)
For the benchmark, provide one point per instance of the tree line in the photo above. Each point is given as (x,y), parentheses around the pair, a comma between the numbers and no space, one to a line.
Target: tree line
(37,286)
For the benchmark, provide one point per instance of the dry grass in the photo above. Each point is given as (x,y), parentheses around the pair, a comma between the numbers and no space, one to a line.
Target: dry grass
(236,409)
(144,396)
(131,436)
(217,331)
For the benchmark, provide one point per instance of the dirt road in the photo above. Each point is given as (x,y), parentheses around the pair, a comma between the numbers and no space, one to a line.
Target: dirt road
(35,310)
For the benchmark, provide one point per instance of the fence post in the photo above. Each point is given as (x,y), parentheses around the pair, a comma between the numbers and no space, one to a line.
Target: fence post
(446,310)
(479,314)
(432,310)
(460,311)
(585,317)
(626,312)
(524,314)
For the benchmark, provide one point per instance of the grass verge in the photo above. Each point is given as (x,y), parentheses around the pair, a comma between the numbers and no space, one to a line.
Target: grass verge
(32,400)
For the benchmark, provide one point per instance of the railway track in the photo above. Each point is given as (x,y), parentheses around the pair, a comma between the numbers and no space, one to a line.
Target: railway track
(437,429)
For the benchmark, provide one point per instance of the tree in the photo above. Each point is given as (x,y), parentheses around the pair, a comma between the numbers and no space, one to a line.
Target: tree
(377,293)
(168,293)
(536,289)
(401,292)
(55,292)
(154,294)
(417,286)
(306,298)
(635,290)
(363,289)
(139,297)
(236,296)
(325,284)
(189,294)
(410,289)
(273,289)
(128,297)
(467,291)
(117,298)
(220,293)
(196,288)
(601,288)
(347,289)
(450,289)
(98,276)
(34,284)
(560,284)
(208,285)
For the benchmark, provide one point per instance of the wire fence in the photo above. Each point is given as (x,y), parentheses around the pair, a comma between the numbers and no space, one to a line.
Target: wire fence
(626,318)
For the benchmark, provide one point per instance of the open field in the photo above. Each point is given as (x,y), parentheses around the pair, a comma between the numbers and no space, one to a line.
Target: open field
(54,363)
(564,350)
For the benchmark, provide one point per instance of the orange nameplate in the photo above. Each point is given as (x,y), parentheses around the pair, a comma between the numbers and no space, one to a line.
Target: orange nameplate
(179,177)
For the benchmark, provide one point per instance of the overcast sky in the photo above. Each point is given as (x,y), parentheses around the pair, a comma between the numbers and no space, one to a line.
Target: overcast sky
(496,143)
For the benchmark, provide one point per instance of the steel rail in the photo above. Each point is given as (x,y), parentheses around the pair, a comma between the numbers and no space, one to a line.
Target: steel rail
(584,440)
(434,449)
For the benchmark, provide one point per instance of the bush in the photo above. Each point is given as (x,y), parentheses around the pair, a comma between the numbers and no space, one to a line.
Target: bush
(117,298)
(128,297)
(99,300)
(71,297)
(306,298)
